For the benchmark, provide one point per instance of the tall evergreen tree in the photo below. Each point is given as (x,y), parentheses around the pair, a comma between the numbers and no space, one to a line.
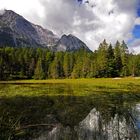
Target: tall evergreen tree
(86,65)
(56,67)
(101,63)
(66,65)
(1,67)
(111,71)
(31,68)
(39,73)
(124,58)
(118,60)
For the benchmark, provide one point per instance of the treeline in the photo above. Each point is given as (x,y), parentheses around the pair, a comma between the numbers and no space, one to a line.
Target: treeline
(40,63)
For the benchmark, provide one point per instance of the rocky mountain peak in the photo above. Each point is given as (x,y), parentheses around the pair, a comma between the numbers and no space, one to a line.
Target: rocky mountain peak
(21,32)
(10,13)
(9,16)
(70,43)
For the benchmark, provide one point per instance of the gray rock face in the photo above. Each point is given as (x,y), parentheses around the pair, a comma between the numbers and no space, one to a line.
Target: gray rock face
(70,43)
(17,31)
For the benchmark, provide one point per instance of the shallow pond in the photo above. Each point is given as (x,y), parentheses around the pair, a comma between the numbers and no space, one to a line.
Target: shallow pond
(67,112)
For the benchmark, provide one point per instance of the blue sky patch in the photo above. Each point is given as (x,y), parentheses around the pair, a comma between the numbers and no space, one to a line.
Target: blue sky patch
(138,11)
(136,31)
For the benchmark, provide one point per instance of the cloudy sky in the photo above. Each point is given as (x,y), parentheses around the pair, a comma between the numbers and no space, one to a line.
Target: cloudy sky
(90,21)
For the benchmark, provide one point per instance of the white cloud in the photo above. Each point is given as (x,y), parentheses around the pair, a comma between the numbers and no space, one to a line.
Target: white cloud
(30,9)
(110,19)
(137,21)
(135,43)
(2,11)
(135,46)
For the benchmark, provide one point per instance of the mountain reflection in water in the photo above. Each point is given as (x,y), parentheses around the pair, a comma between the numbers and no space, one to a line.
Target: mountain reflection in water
(93,127)
(116,123)
(99,116)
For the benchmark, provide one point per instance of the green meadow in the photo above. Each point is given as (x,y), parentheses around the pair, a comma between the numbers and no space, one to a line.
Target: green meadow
(95,85)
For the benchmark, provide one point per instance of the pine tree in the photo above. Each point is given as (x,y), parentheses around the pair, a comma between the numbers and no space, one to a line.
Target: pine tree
(86,65)
(56,67)
(39,73)
(134,65)
(101,64)
(31,68)
(111,72)
(124,58)
(118,61)
(49,60)
(66,65)
(1,66)
(78,64)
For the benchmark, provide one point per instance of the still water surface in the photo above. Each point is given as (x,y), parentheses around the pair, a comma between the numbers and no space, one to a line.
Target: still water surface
(66,112)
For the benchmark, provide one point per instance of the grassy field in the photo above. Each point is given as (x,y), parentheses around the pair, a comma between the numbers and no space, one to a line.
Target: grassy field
(131,84)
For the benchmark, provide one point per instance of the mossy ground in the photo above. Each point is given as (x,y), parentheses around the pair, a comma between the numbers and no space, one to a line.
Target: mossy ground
(41,87)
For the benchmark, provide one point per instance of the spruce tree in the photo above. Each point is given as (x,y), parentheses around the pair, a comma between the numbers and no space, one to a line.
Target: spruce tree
(124,58)
(101,63)
(39,73)
(118,60)
(66,65)
(111,71)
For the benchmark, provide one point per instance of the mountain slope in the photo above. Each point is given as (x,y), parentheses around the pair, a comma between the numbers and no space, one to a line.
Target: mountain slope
(17,31)
(70,43)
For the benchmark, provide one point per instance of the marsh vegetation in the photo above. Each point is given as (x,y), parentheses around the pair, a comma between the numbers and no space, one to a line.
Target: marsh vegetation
(63,109)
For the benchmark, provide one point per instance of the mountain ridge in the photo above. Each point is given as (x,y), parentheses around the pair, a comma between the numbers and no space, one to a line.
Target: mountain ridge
(23,32)
(16,31)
